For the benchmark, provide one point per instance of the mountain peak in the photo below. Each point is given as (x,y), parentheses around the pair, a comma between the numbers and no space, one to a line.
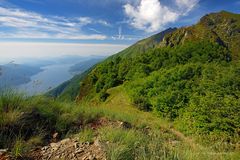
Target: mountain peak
(220,17)
(222,27)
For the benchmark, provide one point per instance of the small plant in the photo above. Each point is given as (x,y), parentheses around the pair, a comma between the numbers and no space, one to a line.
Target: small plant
(87,135)
(18,148)
(35,141)
(10,100)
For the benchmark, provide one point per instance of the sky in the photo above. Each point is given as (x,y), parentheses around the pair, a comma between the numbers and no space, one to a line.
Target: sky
(41,28)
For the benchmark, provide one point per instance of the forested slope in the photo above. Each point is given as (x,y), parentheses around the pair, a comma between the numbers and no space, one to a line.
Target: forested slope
(192,77)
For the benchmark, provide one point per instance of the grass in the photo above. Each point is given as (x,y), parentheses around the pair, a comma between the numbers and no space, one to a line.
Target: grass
(87,135)
(18,148)
(133,144)
(149,137)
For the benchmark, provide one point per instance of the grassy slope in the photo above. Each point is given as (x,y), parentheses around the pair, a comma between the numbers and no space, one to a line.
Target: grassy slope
(122,109)
(149,137)
(204,107)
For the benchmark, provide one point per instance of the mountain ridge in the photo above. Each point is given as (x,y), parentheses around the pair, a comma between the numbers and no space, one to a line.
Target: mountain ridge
(177,37)
(189,68)
(221,27)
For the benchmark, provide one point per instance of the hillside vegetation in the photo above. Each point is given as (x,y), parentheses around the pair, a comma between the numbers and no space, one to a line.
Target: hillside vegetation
(191,77)
(123,131)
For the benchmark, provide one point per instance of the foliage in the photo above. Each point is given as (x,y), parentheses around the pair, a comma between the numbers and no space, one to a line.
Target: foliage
(103,95)
(173,81)
(19,148)
(149,138)
(201,98)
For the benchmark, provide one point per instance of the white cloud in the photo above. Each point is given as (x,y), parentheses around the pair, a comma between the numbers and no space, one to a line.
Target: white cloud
(94,30)
(88,20)
(25,24)
(12,50)
(151,15)
(85,20)
(104,23)
(186,5)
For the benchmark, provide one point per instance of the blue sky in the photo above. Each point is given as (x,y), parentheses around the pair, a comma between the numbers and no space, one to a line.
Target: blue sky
(116,23)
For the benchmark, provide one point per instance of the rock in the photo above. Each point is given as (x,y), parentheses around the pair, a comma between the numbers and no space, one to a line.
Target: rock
(58,157)
(65,141)
(86,144)
(125,125)
(76,145)
(54,146)
(45,148)
(79,151)
(55,135)
(3,152)
(70,149)
(96,142)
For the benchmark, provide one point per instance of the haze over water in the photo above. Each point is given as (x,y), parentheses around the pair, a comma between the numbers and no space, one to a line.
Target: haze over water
(49,78)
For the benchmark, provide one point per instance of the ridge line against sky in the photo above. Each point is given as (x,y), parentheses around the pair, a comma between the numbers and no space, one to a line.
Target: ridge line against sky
(113,23)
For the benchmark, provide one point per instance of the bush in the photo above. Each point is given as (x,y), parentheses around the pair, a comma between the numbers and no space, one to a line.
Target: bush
(103,95)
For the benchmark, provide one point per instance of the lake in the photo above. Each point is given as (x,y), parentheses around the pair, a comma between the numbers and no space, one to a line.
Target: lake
(49,78)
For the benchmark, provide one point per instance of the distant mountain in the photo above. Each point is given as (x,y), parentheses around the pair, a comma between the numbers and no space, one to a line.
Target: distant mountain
(70,88)
(12,74)
(46,61)
(84,65)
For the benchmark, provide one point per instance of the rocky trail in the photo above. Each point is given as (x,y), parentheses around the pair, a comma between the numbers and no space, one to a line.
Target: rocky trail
(69,149)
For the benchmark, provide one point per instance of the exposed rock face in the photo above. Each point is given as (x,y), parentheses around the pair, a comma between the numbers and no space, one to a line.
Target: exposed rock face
(222,28)
(69,149)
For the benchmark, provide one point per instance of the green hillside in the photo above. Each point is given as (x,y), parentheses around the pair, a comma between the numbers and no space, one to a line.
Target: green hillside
(143,45)
(191,77)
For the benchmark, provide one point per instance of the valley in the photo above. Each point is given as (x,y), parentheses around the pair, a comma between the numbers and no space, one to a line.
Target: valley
(34,77)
